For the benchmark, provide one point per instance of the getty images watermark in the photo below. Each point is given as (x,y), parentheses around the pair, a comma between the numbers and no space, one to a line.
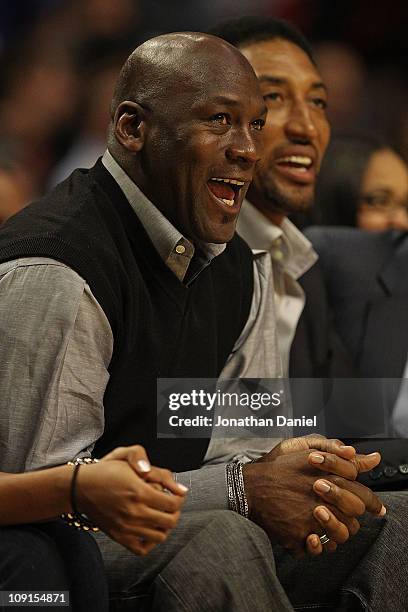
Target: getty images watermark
(342,408)
(228,408)
(222,399)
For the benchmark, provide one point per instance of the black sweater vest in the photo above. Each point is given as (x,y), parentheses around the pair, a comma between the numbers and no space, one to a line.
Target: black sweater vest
(161,328)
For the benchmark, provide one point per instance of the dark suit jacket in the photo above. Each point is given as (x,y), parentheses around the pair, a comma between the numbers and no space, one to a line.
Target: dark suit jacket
(317,354)
(366,276)
(317,351)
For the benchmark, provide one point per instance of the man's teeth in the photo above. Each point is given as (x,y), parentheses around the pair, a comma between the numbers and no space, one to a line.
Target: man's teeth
(296,159)
(232,181)
(227,202)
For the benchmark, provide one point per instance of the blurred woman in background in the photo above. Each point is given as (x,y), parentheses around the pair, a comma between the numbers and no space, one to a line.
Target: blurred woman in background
(362,183)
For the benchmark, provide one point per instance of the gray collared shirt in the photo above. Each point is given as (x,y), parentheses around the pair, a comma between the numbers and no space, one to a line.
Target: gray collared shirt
(56,344)
(175,250)
(291,255)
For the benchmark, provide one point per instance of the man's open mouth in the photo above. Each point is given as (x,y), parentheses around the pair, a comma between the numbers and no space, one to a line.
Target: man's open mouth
(302,163)
(226,189)
(297,168)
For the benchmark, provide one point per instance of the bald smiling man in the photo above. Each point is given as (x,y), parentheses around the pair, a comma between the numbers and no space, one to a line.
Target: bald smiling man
(132,271)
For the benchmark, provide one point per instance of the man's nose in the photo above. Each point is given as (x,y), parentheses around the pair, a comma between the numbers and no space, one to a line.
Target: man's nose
(300,125)
(244,148)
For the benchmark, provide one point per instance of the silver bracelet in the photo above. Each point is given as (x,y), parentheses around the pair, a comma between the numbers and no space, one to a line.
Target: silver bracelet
(237,500)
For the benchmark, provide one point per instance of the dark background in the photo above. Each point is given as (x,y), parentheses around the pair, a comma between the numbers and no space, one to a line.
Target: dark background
(59,60)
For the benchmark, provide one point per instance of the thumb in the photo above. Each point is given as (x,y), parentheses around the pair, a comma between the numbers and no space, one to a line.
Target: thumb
(365,463)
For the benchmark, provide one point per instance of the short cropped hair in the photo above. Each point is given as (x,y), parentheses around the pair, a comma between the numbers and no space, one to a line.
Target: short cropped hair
(246,30)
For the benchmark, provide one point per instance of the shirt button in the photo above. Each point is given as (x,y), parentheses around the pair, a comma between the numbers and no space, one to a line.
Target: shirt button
(180,249)
(277,255)
(278,241)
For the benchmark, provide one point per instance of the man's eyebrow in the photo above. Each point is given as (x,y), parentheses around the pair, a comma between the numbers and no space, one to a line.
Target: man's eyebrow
(273,80)
(319,85)
(226,101)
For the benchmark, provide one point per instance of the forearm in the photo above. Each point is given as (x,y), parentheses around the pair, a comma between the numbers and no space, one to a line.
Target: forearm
(34,496)
(207,488)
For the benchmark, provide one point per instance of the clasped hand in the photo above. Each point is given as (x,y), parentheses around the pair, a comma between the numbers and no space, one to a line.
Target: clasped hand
(133,502)
(285,486)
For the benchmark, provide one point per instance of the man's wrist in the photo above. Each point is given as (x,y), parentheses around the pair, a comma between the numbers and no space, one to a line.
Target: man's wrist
(237,499)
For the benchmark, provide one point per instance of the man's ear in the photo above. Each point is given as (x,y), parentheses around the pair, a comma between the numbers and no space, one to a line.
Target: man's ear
(130,126)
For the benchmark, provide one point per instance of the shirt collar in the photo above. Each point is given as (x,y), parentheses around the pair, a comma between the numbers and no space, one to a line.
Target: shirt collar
(288,246)
(175,250)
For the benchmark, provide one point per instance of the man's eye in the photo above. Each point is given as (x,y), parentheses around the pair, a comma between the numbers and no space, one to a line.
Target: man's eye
(258,124)
(320,103)
(273,95)
(221,118)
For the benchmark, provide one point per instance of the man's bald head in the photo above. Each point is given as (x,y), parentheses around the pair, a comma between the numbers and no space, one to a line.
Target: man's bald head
(188,108)
(163,66)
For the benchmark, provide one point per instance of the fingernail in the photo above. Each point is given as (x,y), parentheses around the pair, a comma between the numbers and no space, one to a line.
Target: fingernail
(322,486)
(344,446)
(143,465)
(315,458)
(323,514)
(182,488)
(315,541)
(382,511)
(373,454)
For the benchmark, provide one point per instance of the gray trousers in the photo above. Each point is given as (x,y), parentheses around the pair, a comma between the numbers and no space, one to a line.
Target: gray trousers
(219,561)
(212,561)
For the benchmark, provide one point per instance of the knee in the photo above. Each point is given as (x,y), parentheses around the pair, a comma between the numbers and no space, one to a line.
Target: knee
(241,534)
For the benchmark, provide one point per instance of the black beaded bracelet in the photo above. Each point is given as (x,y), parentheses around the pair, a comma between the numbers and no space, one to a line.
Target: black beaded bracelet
(73,488)
(77,519)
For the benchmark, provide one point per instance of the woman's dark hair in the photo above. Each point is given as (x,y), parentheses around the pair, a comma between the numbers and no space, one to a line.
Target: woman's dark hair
(339,182)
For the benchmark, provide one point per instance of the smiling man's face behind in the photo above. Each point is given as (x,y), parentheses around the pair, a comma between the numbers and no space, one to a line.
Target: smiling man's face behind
(297,130)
